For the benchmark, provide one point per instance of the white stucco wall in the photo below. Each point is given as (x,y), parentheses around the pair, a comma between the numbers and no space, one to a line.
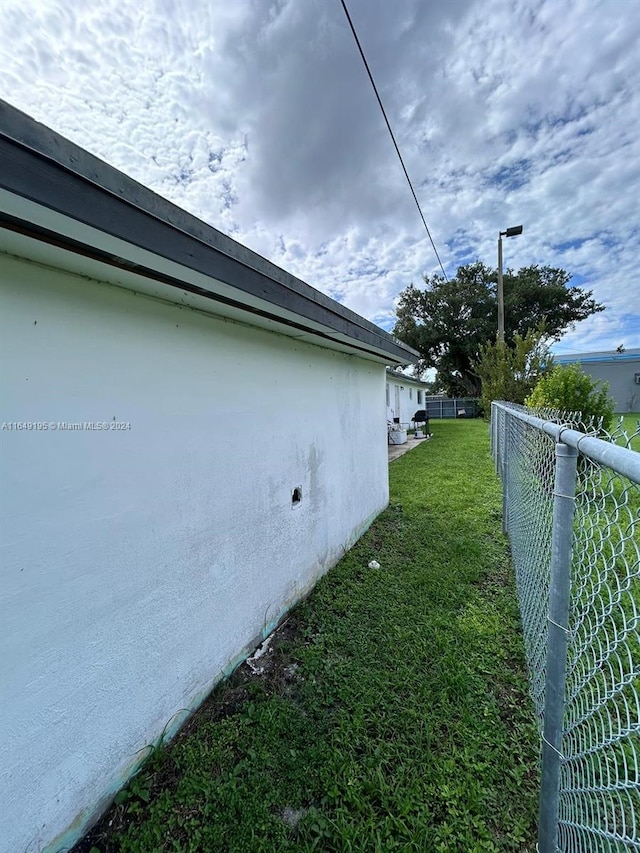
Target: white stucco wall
(403,400)
(138,565)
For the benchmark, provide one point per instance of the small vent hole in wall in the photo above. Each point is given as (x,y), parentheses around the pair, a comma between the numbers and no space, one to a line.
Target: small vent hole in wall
(296,496)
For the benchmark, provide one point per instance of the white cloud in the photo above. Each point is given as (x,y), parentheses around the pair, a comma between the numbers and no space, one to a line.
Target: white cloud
(258,117)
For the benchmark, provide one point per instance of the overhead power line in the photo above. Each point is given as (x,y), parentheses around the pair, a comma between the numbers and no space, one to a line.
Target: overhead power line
(406,174)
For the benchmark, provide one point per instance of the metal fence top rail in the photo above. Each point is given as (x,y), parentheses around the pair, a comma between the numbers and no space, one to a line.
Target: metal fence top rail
(620,459)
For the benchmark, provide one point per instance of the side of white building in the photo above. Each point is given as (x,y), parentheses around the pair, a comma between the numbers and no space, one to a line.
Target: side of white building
(620,369)
(190,438)
(404,397)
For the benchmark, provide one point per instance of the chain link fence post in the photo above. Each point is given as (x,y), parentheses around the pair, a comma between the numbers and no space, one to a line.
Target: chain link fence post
(495,441)
(561,550)
(506,459)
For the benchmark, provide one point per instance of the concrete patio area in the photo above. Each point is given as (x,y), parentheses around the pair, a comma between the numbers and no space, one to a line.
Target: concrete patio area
(396,450)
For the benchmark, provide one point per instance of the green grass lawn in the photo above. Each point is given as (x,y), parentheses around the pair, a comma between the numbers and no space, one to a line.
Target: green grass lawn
(393,713)
(630,425)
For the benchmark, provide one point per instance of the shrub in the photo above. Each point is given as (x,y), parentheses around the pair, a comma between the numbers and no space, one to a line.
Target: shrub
(568,388)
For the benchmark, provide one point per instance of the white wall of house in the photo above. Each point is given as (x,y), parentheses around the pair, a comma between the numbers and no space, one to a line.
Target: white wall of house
(142,563)
(403,398)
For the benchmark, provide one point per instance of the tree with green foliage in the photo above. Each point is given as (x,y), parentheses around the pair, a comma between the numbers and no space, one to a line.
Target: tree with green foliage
(512,372)
(569,388)
(449,321)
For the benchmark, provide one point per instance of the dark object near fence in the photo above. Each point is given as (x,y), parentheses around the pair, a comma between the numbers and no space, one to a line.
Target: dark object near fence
(421,417)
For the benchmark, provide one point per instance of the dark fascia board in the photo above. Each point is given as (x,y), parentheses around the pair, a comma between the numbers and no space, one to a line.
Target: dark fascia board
(44,167)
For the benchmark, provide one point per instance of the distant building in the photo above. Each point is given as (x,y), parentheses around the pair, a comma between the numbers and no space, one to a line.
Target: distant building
(405,396)
(620,369)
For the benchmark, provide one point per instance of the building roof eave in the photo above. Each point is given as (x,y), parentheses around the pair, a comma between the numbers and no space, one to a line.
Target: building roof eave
(57,193)
(609,356)
(401,377)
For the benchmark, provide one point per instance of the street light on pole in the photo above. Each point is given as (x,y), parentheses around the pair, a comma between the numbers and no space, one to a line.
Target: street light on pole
(510,232)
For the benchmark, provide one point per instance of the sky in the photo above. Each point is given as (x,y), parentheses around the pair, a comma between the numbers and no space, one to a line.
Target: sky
(258,117)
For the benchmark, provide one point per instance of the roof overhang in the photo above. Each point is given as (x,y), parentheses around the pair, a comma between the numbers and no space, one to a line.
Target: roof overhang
(609,356)
(402,377)
(62,207)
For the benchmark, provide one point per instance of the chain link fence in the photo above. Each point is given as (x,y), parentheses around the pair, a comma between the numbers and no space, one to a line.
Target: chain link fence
(571,502)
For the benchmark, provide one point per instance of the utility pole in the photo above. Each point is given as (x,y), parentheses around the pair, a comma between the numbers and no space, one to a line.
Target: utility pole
(510,232)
